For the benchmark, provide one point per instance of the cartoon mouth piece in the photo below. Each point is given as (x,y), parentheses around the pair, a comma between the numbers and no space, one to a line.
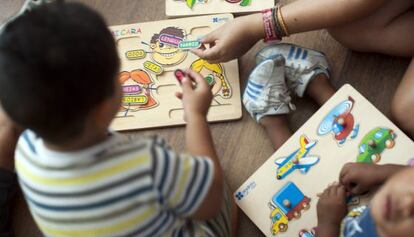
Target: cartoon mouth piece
(134,100)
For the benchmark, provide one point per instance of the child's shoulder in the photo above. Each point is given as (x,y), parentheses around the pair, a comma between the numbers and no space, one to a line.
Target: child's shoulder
(123,144)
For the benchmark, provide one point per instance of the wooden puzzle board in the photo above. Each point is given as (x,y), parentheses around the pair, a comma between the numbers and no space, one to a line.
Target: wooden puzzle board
(149,56)
(175,8)
(254,196)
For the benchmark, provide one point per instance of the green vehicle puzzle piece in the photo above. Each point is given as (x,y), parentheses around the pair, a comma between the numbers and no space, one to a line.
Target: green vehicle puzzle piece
(374,143)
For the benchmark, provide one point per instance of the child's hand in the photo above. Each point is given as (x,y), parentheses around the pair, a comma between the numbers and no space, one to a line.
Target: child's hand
(360,178)
(196,101)
(331,209)
(232,40)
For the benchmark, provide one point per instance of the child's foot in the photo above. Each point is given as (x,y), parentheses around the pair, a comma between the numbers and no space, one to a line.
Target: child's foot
(302,64)
(266,91)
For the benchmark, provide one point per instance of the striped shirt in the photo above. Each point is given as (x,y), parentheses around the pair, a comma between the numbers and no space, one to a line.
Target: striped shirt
(117,188)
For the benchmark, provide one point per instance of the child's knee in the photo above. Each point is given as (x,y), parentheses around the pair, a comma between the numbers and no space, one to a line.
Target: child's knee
(347,37)
(402,112)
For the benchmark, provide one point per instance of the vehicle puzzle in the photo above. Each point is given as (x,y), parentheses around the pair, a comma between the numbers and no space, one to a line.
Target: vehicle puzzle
(150,53)
(347,128)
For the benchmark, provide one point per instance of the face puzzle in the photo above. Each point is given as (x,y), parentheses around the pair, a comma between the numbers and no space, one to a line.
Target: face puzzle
(150,54)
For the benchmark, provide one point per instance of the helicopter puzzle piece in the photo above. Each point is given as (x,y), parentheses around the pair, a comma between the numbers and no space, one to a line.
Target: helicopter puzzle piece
(340,122)
(287,204)
(298,160)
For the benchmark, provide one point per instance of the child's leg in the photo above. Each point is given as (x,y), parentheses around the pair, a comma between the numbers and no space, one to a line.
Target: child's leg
(388,30)
(320,89)
(267,98)
(277,129)
(363,25)
(402,107)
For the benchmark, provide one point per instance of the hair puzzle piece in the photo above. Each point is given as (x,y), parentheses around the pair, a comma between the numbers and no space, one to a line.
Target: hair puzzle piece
(165,47)
(297,160)
(287,204)
(137,91)
(340,122)
(374,143)
(214,74)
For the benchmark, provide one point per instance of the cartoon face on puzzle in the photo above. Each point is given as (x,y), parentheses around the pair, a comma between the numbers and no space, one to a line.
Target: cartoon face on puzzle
(191,3)
(340,122)
(164,46)
(215,77)
(374,143)
(297,160)
(287,204)
(137,91)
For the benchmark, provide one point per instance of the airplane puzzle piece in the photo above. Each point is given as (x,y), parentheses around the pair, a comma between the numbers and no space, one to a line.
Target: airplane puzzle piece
(298,160)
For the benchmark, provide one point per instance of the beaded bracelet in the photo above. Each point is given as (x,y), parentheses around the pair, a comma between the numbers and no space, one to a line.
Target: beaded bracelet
(278,28)
(269,26)
(281,21)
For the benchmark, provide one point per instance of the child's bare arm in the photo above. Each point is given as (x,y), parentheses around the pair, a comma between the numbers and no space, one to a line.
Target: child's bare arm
(331,209)
(360,178)
(238,36)
(9,134)
(199,142)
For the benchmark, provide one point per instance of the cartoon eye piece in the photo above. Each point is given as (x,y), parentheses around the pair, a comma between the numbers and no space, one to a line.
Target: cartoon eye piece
(161,45)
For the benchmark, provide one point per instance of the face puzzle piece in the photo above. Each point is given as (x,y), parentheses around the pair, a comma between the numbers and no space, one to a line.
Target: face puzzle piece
(214,74)
(374,143)
(340,122)
(137,91)
(298,160)
(287,204)
(165,47)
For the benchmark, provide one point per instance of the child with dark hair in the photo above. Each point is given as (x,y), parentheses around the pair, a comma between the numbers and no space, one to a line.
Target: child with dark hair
(389,213)
(58,80)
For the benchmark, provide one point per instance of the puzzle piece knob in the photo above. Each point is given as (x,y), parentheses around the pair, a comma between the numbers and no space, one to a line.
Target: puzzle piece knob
(295,161)
(287,203)
(341,121)
(372,143)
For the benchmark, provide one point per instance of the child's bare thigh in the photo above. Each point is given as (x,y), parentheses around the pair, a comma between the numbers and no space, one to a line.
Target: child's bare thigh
(388,30)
